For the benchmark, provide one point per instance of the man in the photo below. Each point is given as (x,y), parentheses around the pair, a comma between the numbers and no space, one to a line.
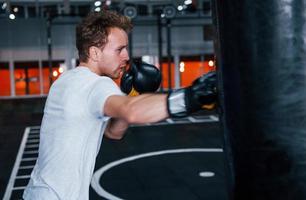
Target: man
(84,104)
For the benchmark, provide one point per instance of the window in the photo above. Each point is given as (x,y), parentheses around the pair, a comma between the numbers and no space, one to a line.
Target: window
(5,86)
(46,73)
(26,75)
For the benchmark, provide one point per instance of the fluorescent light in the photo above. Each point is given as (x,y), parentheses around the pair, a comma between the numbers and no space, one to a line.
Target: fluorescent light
(188,2)
(12,16)
(97,9)
(55,73)
(108,2)
(211,63)
(182,66)
(98,3)
(16,9)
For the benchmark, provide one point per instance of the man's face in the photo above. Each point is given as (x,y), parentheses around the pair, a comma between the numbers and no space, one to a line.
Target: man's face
(114,56)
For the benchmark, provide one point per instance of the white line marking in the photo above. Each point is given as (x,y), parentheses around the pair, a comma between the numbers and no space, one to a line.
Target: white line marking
(32,146)
(23,177)
(170,121)
(27,167)
(19,188)
(192,119)
(95,181)
(33,141)
(8,191)
(213,117)
(206,174)
(28,159)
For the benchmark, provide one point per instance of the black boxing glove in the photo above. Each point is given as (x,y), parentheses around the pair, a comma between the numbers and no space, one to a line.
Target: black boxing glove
(140,78)
(203,91)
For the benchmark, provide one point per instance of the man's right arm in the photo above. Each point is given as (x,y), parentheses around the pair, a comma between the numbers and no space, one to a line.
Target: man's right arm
(145,108)
(152,107)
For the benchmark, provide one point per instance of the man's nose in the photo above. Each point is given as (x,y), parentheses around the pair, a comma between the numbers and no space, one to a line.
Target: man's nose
(126,55)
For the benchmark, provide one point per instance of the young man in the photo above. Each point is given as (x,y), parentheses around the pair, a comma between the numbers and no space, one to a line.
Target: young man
(84,104)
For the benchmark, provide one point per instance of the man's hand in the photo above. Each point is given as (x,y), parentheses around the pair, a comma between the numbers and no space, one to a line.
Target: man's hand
(140,78)
(202,92)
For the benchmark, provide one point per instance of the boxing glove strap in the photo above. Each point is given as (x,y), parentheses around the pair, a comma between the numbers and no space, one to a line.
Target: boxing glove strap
(133,92)
(176,103)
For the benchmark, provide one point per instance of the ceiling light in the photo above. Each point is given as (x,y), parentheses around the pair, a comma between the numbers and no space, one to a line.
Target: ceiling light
(55,73)
(108,2)
(182,67)
(98,3)
(211,63)
(12,16)
(97,9)
(180,8)
(188,2)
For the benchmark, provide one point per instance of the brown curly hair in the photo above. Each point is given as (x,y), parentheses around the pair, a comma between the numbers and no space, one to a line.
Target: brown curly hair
(95,28)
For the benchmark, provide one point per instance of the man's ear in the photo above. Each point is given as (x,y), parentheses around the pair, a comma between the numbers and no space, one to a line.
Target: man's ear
(93,53)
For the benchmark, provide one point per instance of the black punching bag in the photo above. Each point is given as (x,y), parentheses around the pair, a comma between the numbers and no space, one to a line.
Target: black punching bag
(261,58)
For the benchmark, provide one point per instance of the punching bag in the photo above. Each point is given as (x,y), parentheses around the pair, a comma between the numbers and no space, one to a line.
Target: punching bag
(261,59)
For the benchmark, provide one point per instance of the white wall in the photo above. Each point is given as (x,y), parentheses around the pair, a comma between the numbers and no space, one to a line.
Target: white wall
(26,39)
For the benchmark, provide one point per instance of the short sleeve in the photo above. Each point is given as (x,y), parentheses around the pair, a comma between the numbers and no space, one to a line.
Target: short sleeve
(101,90)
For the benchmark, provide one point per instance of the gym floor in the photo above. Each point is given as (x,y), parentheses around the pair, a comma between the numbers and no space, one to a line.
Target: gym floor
(175,159)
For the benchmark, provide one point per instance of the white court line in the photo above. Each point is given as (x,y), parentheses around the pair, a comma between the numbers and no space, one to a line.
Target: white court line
(192,119)
(95,181)
(23,177)
(10,185)
(33,141)
(19,188)
(32,146)
(27,167)
(29,159)
(170,121)
(213,117)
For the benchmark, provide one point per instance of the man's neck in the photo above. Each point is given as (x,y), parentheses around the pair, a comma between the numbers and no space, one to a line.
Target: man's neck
(90,67)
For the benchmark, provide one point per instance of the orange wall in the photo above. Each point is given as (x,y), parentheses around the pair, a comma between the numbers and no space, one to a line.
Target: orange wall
(5,88)
(193,69)
(165,79)
(20,82)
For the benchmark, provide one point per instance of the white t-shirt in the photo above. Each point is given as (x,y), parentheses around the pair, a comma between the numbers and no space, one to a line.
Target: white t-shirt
(70,137)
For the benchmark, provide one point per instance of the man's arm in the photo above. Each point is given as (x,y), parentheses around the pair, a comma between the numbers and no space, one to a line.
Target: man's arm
(145,108)
(116,128)
(148,108)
